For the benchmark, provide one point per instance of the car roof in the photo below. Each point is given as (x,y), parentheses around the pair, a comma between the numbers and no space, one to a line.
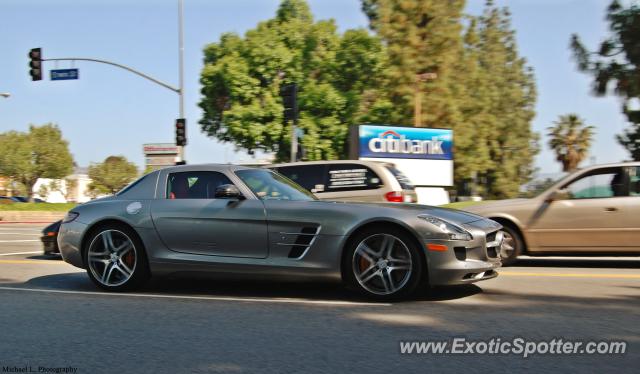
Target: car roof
(206,167)
(610,165)
(329,162)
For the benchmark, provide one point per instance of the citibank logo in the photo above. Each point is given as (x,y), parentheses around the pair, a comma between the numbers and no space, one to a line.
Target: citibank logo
(392,142)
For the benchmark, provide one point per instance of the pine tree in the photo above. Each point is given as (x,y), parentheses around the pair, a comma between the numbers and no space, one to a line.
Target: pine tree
(484,90)
(509,87)
(422,36)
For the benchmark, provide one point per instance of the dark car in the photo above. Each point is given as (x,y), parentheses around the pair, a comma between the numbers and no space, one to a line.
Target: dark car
(25,199)
(50,238)
(10,199)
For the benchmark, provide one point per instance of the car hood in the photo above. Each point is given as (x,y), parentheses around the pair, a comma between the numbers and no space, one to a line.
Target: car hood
(453,215)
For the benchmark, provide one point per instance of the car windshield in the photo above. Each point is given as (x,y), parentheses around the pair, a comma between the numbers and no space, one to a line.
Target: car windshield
(267,185)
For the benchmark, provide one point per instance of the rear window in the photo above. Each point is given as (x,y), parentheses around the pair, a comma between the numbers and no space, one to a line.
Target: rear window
(405,183)
(351,177)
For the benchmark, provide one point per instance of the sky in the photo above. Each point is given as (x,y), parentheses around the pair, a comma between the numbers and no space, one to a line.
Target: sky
(109,111)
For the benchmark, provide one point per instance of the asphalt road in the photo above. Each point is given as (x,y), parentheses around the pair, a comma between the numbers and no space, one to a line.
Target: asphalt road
(52,316)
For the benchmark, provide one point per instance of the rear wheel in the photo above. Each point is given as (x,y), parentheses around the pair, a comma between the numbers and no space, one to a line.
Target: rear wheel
(512,246)
(115,258)
(383,264)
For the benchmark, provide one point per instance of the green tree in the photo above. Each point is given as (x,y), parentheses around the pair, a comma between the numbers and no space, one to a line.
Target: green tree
(630,139)
(111,175)
(502,108)
(39,153)
(615,66)
(422,36)
(336,74)
(484,90)
(570,139)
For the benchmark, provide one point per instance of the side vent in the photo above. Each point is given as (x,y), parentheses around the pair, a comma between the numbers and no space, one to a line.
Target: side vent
(300,241)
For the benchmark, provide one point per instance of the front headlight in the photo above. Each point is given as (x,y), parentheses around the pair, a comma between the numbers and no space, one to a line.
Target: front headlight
(454,232)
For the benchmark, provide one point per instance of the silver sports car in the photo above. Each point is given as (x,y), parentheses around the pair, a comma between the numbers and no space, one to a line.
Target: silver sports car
(224,218)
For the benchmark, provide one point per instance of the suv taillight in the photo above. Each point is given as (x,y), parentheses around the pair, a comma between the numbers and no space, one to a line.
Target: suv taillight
(398,197)
(394,197)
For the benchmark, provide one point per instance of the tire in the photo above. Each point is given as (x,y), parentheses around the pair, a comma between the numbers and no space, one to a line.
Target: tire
(115,258)
(369,268)
(513,239)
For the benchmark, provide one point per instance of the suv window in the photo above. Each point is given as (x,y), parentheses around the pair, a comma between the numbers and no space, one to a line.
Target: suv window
(195,184)
(404,181)
(602,183)
(351,177)
(311,177)
(634,181)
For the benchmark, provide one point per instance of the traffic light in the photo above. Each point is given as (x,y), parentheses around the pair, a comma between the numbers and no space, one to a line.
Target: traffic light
(289,94)
(181,132)
(35,65)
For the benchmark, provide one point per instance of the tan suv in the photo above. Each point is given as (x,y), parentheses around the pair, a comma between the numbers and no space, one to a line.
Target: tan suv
(350,180)
(595,210)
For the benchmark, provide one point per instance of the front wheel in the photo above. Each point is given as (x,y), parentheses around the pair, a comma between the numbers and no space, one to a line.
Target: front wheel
(512,246)
(383,264)
(115,258)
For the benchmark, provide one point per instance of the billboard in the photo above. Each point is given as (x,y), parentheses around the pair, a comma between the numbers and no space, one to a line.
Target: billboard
(405,142)
(158,155)
(425,155)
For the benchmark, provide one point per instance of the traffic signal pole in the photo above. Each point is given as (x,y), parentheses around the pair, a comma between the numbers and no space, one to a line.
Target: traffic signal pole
(36,71)
(181,72)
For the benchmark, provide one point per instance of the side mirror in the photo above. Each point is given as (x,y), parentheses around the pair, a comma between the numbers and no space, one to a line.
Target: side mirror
(559,195)
(228,191)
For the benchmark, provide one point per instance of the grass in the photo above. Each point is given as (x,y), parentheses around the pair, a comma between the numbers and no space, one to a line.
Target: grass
(41,207)
(463,204)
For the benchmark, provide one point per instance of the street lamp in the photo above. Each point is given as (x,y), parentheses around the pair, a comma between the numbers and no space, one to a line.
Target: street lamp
(5,94)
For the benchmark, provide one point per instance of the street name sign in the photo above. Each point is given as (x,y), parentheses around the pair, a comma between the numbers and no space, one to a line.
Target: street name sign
(64,74)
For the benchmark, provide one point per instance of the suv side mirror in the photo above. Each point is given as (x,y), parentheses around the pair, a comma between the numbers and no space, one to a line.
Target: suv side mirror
(228,191)
(559,195)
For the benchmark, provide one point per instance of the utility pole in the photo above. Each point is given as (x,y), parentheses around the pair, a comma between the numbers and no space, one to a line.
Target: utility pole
(417,107)
(181,70)
(289,93)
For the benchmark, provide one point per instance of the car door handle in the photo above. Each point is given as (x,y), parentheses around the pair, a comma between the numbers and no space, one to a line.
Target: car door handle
(610,209)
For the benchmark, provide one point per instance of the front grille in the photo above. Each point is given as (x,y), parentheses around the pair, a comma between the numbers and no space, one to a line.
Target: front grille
(493,243)
(491,236)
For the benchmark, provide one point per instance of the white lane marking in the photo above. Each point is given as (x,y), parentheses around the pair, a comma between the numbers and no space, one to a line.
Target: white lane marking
(19,240)
(20,253)
(19,233)
(213,298)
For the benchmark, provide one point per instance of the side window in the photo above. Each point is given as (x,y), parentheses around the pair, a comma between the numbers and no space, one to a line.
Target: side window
(610,182)
(195,184)
(634,181)
(311,177)
(351,177)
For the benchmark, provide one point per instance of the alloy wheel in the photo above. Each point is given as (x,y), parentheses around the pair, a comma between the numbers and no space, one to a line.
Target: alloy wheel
(112,258)
(382,264)
(508,246)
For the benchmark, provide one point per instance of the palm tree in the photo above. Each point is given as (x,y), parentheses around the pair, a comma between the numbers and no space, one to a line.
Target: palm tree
(570,139)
